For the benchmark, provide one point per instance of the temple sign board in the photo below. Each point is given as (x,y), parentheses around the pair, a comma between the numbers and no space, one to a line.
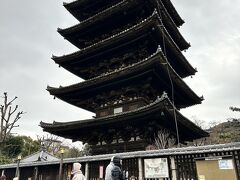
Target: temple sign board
(220,168)
(156,168)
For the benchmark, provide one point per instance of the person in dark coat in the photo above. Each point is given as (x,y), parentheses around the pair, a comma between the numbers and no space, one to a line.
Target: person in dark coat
(113,170)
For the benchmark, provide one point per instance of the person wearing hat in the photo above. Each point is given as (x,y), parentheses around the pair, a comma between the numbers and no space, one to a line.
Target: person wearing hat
(76,172)
(113,170)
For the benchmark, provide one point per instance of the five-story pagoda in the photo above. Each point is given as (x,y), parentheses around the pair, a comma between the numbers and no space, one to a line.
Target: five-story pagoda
(130,58)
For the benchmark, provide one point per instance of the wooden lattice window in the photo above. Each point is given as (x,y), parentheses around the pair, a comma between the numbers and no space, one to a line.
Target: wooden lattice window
(132,107)
(103,113)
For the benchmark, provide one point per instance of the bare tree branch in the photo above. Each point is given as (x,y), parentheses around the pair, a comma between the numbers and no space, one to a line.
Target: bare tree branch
(8,122)
(51,143)
(164,139)
(235,109)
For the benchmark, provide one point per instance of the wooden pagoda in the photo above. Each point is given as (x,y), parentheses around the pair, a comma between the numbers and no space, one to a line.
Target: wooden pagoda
(130,58)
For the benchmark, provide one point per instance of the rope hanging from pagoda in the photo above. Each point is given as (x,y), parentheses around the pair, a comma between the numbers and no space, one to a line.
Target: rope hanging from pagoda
(171,82)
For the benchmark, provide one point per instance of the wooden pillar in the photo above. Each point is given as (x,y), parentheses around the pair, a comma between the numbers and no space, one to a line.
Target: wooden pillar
(173,169)
(125,146)
(140,169)
(17,173)
(60,176)
(35,173)
(87,171)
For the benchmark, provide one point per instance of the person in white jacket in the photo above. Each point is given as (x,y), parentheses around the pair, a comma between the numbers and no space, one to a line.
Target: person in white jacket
(76,172)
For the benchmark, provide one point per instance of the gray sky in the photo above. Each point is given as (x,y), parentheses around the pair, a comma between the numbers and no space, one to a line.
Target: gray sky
(29,38)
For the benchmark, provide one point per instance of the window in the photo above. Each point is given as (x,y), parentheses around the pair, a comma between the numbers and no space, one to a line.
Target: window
(132,107)
(118,110)
(103,113)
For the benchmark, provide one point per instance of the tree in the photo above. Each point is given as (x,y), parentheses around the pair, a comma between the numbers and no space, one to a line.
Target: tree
(164,139)
(200,123)
(86,151)
(72,152)
(18,145)
(235,109)
(212,124)
(5,160)
(13,147)
(9,117)
(29,146)
(51,143)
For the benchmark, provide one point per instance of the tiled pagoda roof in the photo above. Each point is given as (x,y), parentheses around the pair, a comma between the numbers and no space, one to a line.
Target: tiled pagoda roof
(75,8)
(83,26)
(172,10)
(188,130)
(152,22)
(158,59)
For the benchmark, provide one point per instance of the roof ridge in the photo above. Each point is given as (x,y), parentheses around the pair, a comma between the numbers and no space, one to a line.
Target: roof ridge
(109,73)
(107,39)
(94,16)
(159,99)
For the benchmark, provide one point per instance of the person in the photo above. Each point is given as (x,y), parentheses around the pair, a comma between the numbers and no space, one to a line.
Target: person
(113,170)
(132,178)
(76,172)
(3,177)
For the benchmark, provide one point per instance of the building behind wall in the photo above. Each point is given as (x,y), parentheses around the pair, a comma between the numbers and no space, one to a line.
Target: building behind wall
(130,58)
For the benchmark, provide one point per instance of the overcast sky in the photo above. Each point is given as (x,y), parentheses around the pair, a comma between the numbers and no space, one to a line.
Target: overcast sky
(28,38)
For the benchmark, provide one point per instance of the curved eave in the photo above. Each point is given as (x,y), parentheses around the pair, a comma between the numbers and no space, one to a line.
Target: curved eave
(185,121)
(72,5)
(157,58)
(173,12)
(100,46)
(167,3)
(182,43)
(93,19)
(98,121)
(77,8)
(90,22)
(105,43)
(160,105)
(69,7)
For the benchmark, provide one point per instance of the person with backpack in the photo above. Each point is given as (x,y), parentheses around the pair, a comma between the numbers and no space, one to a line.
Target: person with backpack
(113,170)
